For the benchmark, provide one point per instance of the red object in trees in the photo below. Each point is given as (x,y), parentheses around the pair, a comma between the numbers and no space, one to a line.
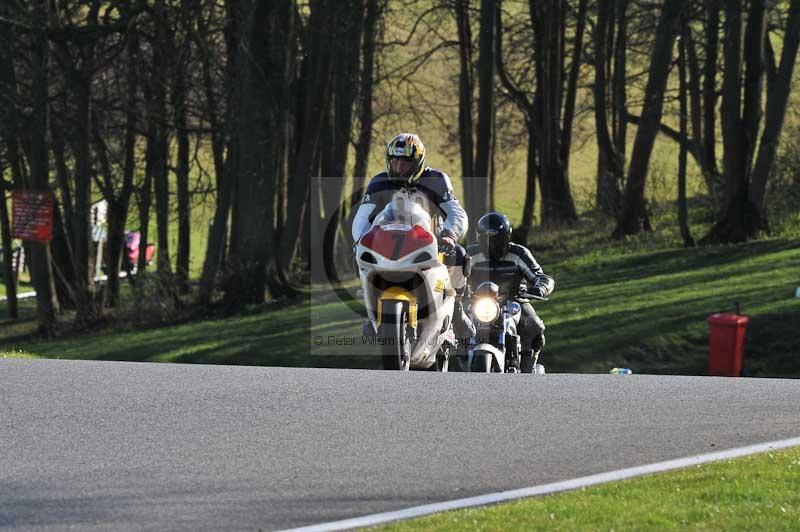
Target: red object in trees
(32,215)
(726,344)
(133,240)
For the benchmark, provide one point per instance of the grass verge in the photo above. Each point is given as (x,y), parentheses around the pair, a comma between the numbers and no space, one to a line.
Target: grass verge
(757,492)
(622,305)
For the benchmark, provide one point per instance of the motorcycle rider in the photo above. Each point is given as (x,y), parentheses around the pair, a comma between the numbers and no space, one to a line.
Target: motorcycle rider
(496,258)
(405,169)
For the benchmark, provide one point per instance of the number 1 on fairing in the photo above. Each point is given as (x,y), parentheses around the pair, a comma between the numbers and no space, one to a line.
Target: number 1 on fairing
(399,238)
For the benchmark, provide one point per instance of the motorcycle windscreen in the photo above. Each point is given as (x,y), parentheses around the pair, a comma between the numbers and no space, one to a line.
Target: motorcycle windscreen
(504,273)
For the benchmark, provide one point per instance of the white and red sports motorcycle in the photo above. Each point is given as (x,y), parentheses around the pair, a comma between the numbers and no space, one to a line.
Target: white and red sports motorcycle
(406,287)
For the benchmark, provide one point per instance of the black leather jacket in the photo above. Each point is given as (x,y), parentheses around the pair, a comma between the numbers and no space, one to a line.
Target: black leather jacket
(516,267)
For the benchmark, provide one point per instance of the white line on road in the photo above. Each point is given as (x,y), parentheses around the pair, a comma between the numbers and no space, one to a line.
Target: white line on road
(544,489)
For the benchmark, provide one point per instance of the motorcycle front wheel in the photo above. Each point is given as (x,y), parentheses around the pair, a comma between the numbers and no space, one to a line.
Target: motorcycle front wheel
(482,362)
(395,350)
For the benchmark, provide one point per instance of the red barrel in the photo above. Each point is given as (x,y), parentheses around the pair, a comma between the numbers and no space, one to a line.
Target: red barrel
(726,344)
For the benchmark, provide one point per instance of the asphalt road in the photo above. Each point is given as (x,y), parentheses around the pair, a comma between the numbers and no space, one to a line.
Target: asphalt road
(133,446)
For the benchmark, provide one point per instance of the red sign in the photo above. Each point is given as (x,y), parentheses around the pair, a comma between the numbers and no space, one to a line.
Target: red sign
(32,215)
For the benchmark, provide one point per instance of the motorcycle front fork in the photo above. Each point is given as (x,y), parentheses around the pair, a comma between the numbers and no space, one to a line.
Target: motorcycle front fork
(512,342)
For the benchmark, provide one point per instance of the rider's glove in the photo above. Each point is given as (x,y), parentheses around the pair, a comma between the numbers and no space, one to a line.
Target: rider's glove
(523,289)
(447,244)
(538,291)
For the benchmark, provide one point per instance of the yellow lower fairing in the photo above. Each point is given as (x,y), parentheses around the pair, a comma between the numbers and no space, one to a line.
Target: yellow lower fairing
(398,293)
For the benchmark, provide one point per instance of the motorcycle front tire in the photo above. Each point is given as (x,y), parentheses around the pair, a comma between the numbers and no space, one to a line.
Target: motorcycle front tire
(482,362)
(392,333)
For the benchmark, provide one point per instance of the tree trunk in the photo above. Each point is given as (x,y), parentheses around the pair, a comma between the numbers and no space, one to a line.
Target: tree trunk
(61,246)
(215,251)
(315,88)
(161,47)
(118,207)
(182,173)
(465,92)
(477,199)
(82,210)
(365,117)
(683,212)
(145,199)
(345,87)
(610,165)
(572,84)
(9,275)
(347,40)
(263,78)
(8,132)
(41,270)
(253,179)
(709,139)
(696,113)
(62,176)
(557,204)
(741,116)
(117,215)
(619,87)
(777,99)
(161,189)
(79,77)
(221,135)
(633,216)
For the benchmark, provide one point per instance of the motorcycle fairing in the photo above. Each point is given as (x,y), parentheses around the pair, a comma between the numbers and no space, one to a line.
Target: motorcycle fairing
(399,259)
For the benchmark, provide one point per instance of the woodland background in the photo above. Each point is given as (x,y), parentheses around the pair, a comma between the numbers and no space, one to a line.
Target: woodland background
(204,123)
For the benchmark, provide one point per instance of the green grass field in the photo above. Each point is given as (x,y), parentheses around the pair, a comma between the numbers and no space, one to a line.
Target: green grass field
(753,493)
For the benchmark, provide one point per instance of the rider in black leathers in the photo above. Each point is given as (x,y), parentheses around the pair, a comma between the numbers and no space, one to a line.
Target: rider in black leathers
(495,258)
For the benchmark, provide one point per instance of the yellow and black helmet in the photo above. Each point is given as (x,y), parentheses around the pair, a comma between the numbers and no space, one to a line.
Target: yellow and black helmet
(405,156)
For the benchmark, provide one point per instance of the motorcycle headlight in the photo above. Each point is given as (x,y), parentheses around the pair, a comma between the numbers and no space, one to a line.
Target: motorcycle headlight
(485,310)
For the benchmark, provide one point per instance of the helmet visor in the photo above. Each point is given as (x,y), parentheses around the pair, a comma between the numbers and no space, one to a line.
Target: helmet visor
(402,166)
(493,245)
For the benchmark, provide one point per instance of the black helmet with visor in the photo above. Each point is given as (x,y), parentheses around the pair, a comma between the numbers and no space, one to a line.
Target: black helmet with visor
(494,234)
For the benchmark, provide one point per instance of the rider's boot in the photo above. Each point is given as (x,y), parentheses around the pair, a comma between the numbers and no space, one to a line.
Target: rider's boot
(526,361)
(538,343)
(529,357)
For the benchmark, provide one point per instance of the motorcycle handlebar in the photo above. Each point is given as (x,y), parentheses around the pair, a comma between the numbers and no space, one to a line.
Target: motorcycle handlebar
(532,296)
(445,250)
